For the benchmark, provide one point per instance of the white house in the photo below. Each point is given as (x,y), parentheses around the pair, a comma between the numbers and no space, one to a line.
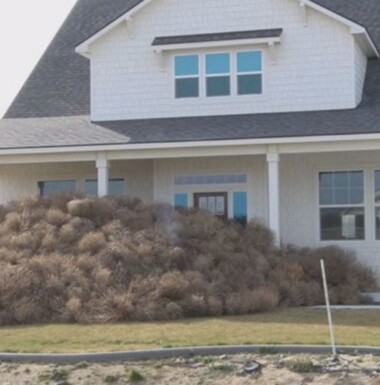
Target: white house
(245,108)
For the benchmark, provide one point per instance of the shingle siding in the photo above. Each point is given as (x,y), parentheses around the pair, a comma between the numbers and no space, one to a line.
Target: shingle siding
(312,70)
(60,83)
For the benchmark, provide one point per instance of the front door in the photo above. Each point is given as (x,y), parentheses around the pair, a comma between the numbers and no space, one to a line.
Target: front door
(214,203)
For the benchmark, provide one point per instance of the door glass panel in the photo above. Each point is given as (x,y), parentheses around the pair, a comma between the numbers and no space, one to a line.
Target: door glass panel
(220,206)
(203,203)
(212,205)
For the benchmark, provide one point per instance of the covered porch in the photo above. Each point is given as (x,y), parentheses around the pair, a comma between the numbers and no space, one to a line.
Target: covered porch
(309,193)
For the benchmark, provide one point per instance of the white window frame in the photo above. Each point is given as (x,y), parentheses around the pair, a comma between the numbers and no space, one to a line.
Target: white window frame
(233,74)
(225,74)
(237,73)
(375,205)
(363,205)
(176,77)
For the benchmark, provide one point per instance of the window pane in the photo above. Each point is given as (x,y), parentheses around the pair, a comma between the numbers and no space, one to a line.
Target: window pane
(250,84)
(211,205)
(181,201)
(187,88)
(203,203)
(218,86)
(326,196)
(377,186)
(341,196)
(377,216)
(240,207)
(356,195)
(217,63)
(326,179)
(48,188)
(341,179)
(249,62)
(115,187)
(91,187)
(356,179)
(342,223)
(220,206)
(341,188)
(186,65)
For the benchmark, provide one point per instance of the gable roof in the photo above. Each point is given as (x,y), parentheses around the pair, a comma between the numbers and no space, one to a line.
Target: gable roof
(60,83)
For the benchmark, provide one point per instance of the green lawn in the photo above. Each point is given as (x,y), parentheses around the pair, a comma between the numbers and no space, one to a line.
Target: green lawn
(288,326)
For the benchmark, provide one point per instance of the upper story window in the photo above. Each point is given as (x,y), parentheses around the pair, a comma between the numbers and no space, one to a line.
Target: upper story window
(218,74)
(218,77)
(187,76)
(249,73)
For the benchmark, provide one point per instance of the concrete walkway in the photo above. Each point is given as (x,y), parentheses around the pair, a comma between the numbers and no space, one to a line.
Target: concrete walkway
(183,352)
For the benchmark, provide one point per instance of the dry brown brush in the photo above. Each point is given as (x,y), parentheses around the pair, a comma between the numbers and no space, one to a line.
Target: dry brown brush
(65,259)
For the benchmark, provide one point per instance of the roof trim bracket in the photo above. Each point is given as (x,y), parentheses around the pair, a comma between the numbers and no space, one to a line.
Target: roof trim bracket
(305,13)
(272,52)
(161,58)
(129,24)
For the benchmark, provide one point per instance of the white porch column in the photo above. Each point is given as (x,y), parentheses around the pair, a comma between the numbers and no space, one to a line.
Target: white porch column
(102,164)
(273,160)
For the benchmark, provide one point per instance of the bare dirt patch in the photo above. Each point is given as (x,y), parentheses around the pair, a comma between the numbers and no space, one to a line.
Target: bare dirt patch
(224,370)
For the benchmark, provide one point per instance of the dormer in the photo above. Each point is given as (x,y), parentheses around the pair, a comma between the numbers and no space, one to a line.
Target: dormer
(168,58)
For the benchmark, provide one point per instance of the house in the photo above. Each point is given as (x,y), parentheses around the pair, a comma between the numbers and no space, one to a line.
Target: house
(249,108)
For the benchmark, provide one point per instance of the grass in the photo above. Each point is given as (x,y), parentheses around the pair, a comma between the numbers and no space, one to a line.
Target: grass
(286,326)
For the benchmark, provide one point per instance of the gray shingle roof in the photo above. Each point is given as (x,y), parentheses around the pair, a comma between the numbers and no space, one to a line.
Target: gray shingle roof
(55,132)
(59,87)
(237,35)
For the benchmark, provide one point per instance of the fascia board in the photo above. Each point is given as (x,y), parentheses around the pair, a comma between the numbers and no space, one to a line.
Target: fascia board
(84,47)
(354,27)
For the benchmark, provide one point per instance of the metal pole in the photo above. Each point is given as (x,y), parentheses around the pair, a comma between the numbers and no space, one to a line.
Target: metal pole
(327,298)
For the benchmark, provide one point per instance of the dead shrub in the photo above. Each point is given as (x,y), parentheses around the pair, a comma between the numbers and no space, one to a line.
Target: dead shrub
(92,242)
(98,211)
(173,311)
(116,259)
(25,241)
(194,306)
(258,237)
(73,308)
(87,264)
(215,306)
(12,222)
(57,217)
(172,286)
(3,212)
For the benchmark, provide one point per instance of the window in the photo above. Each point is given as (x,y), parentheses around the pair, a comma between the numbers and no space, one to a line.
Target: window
(377,203)
(48,188)
(240,208)
(186,76)
(115,187)
(214,203)
(341,199)
(181,201)
(249,73)
(218,74)
(209,179)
